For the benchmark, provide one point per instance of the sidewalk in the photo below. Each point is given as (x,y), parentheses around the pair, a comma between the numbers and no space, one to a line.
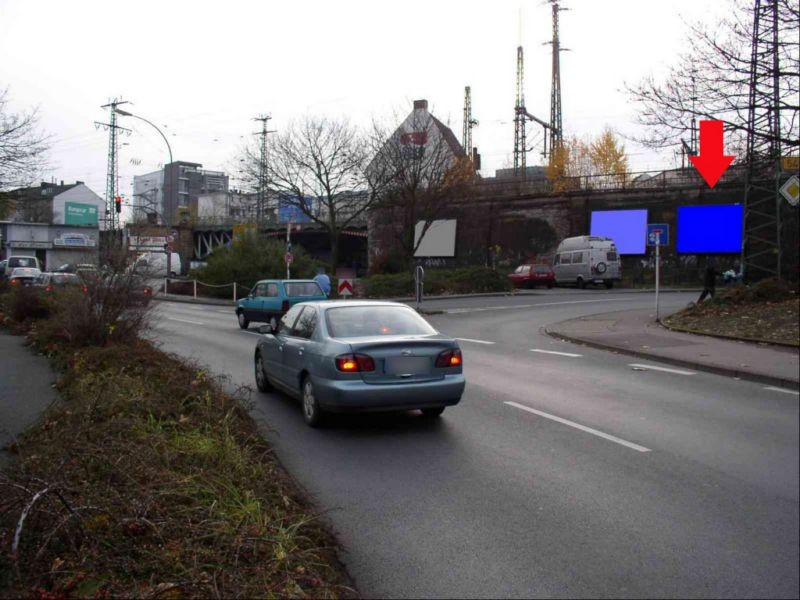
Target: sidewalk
(25,390)
(636,333)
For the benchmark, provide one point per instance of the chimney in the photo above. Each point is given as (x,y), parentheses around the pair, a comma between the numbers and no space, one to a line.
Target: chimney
(420,105)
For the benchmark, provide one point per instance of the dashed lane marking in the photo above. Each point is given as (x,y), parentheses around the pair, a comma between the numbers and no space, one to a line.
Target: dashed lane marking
(569,354)
(473,341)
(639,367)
(781,390)
(605,436)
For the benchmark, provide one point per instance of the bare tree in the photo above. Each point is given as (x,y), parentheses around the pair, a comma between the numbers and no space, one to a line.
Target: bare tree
(710,80)
(419,171)
(317,166)
(22,146)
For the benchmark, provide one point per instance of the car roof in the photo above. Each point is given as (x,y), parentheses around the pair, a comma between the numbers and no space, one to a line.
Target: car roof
(328,304)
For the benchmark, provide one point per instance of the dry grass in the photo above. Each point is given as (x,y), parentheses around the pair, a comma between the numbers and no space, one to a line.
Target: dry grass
(149,481)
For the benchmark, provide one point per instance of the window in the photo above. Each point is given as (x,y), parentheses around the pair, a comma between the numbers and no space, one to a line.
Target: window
(611,256)
(564,259)
(305,325)
(287,320)
(541,269)
(523,269)
(272,290)
(361,321)
(261,290)
(577,258)
(306,288)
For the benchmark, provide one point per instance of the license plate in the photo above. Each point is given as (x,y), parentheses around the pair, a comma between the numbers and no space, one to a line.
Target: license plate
(408,365)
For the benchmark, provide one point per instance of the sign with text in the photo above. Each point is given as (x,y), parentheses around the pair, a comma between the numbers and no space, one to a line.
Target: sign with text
(76,213)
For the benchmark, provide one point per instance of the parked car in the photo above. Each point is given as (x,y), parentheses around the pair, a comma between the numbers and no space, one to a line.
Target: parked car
(529,276)
(587,259)
(350,355)
(50,282)
(270,299)
(23,276)
(155,263)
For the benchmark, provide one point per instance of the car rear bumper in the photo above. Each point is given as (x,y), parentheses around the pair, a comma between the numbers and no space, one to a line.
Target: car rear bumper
(355,395)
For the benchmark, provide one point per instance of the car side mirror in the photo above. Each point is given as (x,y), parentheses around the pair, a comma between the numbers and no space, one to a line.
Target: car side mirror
(266,329)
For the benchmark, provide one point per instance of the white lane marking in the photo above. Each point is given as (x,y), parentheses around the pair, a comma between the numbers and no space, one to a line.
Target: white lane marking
(186,321)
(474,341)
(606,436)
(662,369)
(453,311)
(570,354)
(777,389)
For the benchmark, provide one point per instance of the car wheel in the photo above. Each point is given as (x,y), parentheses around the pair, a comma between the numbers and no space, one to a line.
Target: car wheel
(581,283)
(432,413)
(609,284)
(312,414)
(262,383)
(243,322)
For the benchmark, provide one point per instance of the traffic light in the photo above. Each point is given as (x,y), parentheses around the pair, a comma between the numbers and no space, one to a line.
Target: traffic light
(118,204)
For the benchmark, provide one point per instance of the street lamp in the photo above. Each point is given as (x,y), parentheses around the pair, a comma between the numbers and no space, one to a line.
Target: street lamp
(125,113)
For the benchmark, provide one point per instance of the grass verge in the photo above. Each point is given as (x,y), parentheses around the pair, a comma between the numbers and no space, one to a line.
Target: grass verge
(149,480)
(768,312)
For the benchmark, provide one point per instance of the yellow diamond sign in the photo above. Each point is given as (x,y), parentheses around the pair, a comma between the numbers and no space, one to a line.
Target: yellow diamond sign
(791,190)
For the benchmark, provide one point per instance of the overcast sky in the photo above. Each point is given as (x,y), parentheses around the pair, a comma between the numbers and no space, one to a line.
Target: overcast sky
(204,69)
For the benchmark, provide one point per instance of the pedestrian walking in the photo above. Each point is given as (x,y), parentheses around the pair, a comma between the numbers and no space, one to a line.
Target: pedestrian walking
(709,280)
(323,280)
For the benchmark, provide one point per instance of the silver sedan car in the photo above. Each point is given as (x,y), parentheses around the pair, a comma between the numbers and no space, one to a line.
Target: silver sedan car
(340,356)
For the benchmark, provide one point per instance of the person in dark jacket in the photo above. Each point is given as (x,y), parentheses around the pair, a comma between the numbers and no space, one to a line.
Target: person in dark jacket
(709,280)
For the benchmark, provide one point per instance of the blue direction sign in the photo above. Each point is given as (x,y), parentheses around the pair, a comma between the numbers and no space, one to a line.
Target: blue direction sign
(657,234)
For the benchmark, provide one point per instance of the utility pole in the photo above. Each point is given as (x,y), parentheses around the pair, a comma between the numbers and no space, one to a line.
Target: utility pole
(469,122)
(556,129)
(761,248)
(112,170)
(263,172)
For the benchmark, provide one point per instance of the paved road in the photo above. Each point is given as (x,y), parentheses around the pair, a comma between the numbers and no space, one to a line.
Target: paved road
(563,472)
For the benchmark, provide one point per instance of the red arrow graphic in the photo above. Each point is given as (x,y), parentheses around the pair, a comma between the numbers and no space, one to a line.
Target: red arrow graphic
(711,163)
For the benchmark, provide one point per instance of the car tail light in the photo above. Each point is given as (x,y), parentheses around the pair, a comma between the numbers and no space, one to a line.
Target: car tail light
(14,282)
(355,363)
(49,287)
(85,289)
(147,291)
(449,358)
(285,306)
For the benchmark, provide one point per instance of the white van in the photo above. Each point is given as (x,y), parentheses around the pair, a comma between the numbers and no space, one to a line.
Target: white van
(155,264)
(587,259)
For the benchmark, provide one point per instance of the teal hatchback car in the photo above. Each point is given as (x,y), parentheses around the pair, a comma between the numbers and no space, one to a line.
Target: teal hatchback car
(270,299)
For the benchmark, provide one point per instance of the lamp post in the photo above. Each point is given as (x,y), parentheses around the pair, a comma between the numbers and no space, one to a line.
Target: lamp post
(125,113)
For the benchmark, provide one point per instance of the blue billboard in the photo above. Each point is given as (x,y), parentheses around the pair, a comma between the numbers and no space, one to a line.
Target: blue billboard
(710,229)
(290,211)
(628,228)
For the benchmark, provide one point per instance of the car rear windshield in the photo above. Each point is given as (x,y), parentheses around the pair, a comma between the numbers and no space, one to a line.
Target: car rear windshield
(365,321)
(22,261)
(22,272)
(611,256)
(65,278)
(303,288)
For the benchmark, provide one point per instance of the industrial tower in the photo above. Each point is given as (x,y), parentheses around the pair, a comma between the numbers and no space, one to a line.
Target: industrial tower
(469,123)
(113,200)
(520,144)
(556,131)
(761,250)
(263,175)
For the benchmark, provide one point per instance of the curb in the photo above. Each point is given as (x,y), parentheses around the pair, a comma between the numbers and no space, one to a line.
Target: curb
(725,371)
(722,336)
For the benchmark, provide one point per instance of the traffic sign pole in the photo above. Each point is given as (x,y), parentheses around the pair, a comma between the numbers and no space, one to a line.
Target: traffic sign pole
(658,273)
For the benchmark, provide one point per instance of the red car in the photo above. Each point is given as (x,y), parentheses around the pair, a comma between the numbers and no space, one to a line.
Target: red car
(529,276)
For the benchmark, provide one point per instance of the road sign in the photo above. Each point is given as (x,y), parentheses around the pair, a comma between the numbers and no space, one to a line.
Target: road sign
(791,190)
(791,164)
(289,258)
(657,234)
(345,287)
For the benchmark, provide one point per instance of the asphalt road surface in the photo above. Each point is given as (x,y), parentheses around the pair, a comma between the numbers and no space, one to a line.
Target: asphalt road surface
(564,472)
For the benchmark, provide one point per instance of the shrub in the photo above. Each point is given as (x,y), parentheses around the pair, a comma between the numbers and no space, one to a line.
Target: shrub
(247,261)
(465,280)
(766,290)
